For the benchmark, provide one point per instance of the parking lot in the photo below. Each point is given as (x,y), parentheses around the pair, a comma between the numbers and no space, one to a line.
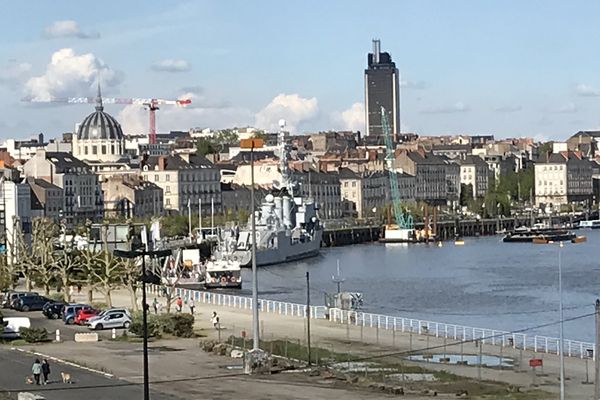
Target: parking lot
(67,332)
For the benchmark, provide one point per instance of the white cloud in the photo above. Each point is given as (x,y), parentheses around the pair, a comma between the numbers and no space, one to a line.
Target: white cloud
(171,65)
(290,107)
(457,107)
(352,119)
(68,28)
(69,74)
(14,73)
(508,108)
(586,91)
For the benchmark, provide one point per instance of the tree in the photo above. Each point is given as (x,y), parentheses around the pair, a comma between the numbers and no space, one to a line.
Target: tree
(226,136)
(103,268)
(7,276)
(205,146)
(466,194)
(67,264)
(36,261)
(130,278)
(43,233)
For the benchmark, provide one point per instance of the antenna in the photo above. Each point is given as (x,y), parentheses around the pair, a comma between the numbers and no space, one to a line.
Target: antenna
(338,279)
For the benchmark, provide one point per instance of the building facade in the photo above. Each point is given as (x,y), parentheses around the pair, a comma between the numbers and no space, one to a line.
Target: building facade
(382,89)
(130,196)
(82,194)
(474,171)
(363,193)
(51,197)
(429,171)
(561,178)
(191,180)
(324,188)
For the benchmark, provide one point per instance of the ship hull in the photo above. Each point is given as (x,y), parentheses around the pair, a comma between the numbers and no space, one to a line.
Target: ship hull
(284,252)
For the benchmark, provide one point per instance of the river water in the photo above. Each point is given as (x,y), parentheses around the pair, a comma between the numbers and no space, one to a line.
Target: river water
(485,283)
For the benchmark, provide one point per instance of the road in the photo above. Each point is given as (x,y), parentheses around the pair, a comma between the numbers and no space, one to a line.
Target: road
(17,365)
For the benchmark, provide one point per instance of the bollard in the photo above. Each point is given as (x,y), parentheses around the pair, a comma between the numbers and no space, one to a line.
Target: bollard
(58,335)
(114,333)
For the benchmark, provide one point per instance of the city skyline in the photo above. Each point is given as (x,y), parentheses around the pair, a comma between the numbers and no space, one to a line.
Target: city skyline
(509,70)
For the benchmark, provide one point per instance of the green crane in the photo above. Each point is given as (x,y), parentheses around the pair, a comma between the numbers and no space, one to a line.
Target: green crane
(403,221)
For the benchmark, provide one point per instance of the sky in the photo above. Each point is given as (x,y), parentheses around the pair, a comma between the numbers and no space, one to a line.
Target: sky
(508,68)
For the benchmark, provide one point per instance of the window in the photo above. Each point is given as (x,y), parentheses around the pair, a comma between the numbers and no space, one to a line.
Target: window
(156,178)
(354,184)
(168,177)
(103,149)
(168,202)
(85,150)
(168,189)
(94,149)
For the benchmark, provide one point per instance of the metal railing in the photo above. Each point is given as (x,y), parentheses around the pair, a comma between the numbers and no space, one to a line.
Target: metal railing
(516,340)
(524,341)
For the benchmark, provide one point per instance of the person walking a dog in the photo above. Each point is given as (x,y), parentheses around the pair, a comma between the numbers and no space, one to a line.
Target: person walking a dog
(36,370)
(45,371)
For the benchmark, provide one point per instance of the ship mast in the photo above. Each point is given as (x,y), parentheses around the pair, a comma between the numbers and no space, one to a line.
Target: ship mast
(286,181)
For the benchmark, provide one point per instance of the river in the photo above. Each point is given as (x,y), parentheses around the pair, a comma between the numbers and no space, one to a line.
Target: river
(485,283)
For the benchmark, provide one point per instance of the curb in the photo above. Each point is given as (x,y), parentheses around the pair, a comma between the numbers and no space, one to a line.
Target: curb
(65,362)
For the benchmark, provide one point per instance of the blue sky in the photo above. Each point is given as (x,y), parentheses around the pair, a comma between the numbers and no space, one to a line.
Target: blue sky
(509,68)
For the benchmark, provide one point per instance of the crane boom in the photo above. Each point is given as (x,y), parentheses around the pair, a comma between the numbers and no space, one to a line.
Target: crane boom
(403,221)
(150,104)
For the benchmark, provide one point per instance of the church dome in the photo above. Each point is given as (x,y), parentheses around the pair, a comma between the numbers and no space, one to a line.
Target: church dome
(99,125)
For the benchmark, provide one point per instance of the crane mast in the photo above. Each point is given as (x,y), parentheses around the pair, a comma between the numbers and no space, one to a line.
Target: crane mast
(404,222)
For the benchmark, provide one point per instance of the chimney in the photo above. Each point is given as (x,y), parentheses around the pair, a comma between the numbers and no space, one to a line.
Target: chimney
(162,163)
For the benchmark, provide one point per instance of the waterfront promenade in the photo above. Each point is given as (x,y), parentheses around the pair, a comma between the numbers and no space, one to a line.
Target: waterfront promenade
(365,342)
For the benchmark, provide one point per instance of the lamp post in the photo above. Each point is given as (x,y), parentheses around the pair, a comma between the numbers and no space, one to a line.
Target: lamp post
(253,143)
(146,277)
(560,307)
(561,323)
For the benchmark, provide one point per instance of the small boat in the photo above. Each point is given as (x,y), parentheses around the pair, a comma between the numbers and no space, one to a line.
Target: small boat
(539,236)
(579,239)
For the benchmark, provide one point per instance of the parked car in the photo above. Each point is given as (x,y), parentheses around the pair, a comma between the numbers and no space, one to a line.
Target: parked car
(83,315)
(12,325)
(111,320)
(53,309)
(31,303)
(14,296)
(70,312)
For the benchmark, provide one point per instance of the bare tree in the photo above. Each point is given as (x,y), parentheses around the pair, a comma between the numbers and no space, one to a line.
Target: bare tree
(7,275)
(35,260)
(67,264)
(130,278)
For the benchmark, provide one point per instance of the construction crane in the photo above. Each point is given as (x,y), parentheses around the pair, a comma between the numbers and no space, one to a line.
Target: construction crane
(403,230)
(149,104)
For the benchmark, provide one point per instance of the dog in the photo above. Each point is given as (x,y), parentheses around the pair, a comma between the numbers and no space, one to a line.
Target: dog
(29,380)
(66,377)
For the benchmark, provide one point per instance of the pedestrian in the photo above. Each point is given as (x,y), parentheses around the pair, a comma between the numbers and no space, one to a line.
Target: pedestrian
(45,370)
(36,370)
(215,320)
(179,303)
(191,305)
(155,305)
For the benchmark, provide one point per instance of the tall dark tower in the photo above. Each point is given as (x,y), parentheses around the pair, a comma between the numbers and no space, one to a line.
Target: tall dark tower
(382,89)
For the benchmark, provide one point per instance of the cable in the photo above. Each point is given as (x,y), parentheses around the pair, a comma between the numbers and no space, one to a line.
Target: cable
(400,353)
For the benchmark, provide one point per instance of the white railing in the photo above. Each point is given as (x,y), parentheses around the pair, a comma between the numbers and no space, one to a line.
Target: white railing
(536,343)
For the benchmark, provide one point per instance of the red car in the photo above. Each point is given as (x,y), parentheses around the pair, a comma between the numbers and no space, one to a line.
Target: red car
(84,314)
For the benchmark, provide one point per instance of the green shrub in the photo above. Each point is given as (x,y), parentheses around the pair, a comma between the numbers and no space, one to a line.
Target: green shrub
(34,335)
(180,325)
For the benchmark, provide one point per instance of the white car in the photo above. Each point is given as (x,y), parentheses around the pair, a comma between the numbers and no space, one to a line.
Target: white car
(113,319)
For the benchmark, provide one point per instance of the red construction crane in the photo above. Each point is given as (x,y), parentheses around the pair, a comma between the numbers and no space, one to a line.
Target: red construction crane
(149,104)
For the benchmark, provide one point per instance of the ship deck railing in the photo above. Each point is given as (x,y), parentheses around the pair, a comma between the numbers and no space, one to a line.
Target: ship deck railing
(519,339)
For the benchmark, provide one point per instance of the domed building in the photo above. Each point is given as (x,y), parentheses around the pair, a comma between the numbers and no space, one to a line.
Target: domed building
(99,136)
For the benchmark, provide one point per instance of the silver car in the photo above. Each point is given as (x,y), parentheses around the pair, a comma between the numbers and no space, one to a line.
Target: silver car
(110,320)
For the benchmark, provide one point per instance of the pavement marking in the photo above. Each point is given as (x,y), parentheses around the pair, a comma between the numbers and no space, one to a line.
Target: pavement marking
(65,362)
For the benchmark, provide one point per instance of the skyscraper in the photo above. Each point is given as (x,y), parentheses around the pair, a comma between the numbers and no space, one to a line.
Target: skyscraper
(382,89)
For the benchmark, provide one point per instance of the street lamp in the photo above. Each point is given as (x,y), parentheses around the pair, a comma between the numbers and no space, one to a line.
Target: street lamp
(561,323)
(253,143)
(146,277)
